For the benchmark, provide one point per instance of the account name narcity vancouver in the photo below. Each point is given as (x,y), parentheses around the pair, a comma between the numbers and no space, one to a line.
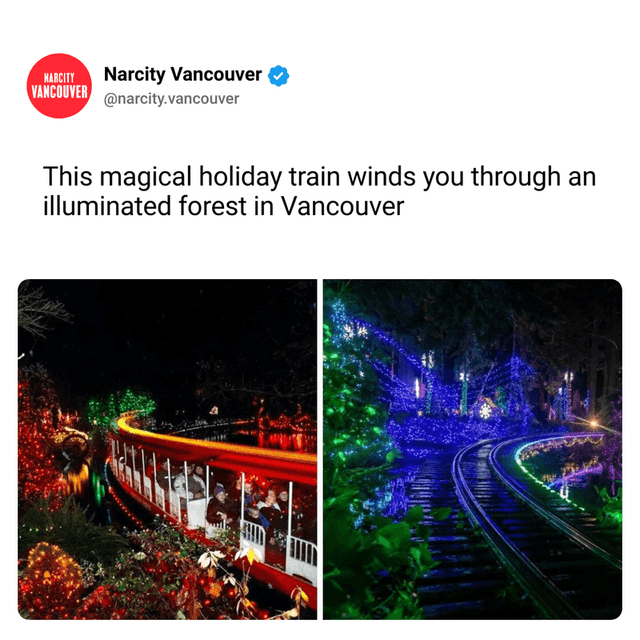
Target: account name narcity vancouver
(151,74)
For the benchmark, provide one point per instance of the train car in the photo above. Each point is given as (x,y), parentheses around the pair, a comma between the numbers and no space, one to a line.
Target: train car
(211,489)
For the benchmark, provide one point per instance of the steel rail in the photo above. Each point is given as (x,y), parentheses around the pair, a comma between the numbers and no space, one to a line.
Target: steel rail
(548,598)
(561,525)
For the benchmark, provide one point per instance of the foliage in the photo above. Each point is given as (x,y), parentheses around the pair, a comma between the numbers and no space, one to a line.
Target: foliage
(502,399)
(50,586)
(370,562)
(139,402)
(553,325)
(616,413)
(39,474)
(370,571)
(69,528)
(166,575)
(611,511)
(228,538)
(159,574)
(101,412)
(611,413)
(456,317)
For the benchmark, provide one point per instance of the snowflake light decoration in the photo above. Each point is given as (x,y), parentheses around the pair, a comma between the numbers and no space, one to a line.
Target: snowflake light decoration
(350,331)
(485,411)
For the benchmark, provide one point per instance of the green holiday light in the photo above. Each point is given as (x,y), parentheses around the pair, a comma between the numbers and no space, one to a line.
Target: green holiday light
(103,411)
(518,459)
(98,489)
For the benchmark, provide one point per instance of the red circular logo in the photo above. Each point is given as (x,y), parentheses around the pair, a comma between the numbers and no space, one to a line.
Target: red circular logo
(59,85)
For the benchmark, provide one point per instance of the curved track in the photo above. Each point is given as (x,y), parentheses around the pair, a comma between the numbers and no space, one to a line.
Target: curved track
(468,582)
(581,527)
(567,572)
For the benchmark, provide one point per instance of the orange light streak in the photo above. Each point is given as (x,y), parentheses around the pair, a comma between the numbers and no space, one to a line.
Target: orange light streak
(305,458)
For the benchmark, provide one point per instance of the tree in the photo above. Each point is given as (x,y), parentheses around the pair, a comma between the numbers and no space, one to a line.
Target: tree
(36,311)
(555,326)
(575,327)
(39,474)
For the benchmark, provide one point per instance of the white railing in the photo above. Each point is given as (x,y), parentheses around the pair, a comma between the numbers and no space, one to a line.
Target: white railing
(160,497)
(148,494)
(212,530)
(253,535)
(127,471)
(196,513)
(302,558)
(136,481)
(174,505)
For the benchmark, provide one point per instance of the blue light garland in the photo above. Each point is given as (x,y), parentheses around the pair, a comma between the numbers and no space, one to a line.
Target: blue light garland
(430,408)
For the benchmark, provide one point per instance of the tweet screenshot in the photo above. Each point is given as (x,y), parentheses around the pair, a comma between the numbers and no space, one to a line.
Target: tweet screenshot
(320,313)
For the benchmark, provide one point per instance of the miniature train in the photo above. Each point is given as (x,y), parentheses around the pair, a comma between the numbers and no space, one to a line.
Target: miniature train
(157,471)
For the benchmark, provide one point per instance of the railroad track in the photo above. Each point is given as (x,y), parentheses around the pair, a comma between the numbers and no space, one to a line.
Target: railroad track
(512,544)
(572,522)
(468,582)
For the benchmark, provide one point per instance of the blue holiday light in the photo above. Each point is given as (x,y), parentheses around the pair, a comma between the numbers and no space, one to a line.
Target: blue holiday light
(426,409)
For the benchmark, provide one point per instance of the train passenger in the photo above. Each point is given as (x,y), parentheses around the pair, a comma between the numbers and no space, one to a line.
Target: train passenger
(235,491)
(251,510)
(221,508)
(283,499)
(148,467)
(163,475)
(271,518)
(270,503)
(199,472)
(250,495)
(190,485)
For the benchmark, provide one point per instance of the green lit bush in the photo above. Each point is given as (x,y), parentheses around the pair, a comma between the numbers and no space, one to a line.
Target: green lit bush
(70,529)
(371,563)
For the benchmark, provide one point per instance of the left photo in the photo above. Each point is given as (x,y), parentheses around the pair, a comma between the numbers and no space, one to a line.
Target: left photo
(167,449)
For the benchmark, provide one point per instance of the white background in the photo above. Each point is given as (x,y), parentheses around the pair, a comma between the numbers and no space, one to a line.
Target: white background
(426,85)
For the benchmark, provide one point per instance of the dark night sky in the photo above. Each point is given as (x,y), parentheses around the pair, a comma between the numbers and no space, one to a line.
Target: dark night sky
(150,335)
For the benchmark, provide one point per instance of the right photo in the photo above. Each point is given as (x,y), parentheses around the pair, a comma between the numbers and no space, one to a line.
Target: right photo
(472,449)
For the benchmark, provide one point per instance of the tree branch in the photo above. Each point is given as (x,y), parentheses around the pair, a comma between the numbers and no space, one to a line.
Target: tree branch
(35,311)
